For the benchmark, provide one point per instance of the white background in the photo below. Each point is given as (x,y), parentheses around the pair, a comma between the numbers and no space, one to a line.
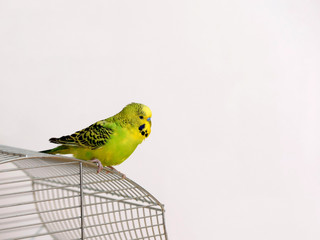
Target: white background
(234,89)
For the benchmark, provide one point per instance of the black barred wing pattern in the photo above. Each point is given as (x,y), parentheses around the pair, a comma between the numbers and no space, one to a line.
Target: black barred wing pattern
(91,137)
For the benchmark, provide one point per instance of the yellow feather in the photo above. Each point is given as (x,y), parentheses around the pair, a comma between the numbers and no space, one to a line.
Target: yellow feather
(111,140)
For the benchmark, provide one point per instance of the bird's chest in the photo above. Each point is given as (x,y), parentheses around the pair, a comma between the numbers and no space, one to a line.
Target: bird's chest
(119,147)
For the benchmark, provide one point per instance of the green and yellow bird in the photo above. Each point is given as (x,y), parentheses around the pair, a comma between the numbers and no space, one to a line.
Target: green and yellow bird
(108,142)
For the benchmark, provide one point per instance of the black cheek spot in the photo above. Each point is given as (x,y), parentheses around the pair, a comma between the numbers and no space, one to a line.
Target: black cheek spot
(146,134)
(142,133)
(142,127)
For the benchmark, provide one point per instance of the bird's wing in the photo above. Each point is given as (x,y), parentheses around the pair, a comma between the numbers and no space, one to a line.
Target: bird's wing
(91,137)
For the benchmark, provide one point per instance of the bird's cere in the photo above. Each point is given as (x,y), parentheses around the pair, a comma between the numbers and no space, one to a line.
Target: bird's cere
(111,140)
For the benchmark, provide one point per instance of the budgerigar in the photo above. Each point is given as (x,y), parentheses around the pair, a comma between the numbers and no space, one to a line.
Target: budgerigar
(108,142)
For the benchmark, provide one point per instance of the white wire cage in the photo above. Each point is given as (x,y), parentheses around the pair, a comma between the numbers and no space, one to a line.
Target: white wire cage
(53,197)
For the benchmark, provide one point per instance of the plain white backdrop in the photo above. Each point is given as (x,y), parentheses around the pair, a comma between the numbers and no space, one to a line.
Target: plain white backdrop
(234,89)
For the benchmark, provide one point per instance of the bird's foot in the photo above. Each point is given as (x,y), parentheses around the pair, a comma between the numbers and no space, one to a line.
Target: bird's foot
(123,176)
(99,164)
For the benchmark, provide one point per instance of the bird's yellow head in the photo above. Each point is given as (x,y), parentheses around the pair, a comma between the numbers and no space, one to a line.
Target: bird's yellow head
(139,116)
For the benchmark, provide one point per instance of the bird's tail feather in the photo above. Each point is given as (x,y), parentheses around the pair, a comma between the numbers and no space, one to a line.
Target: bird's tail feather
(63,149)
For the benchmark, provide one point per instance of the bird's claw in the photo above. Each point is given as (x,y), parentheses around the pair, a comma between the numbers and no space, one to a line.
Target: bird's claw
(99,164)
(100,167)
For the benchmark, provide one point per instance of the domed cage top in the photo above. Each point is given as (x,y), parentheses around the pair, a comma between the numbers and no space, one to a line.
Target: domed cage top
(53,197)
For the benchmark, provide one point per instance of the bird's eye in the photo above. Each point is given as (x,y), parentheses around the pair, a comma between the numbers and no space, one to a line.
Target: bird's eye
(141,117)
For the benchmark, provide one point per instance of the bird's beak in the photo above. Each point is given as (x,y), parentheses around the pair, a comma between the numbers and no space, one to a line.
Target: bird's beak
(149,120)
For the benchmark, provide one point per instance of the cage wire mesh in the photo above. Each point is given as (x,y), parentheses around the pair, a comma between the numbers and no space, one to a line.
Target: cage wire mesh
(52,197)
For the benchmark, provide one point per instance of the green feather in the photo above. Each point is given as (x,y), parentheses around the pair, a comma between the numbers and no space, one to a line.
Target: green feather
(111,140)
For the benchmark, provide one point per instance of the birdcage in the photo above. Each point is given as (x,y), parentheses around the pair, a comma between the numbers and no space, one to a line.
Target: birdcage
(53,197)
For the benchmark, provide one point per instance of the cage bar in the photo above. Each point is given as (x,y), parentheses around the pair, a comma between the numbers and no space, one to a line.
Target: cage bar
(55,197)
